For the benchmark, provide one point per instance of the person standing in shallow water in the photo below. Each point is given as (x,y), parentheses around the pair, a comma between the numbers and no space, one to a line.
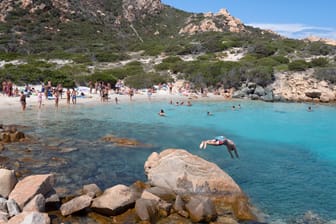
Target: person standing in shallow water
(74,96)
(39,99)
(56,98)
(23,101)
(68,96)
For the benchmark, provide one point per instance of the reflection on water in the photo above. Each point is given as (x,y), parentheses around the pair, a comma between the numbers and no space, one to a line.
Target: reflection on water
(287,157)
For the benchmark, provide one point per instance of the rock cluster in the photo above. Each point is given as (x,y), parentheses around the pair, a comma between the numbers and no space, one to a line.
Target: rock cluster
(218,22)
(253,91)
(25,201)
(303,87)
(133,9)
(181,188)
(294,87)
(10,134)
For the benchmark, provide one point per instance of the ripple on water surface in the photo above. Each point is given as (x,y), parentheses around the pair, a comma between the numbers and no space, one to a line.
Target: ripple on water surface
(287,155)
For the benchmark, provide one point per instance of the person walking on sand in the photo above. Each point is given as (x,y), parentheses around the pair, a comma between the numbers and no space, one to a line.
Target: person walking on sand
(221,140)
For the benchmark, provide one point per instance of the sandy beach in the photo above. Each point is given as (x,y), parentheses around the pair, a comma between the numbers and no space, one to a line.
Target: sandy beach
(13,103)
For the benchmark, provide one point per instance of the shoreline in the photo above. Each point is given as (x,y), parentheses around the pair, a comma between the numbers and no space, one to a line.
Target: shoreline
(13,103)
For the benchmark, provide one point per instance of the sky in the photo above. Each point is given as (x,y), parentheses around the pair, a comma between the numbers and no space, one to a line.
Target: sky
(291,18)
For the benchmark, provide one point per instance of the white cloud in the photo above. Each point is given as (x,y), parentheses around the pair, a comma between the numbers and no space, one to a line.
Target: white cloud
(298,31)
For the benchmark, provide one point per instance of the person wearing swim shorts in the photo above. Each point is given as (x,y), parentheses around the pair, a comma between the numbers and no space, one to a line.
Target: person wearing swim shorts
(221,140)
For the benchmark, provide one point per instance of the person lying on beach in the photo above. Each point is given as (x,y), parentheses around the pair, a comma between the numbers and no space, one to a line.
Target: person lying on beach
(221,140)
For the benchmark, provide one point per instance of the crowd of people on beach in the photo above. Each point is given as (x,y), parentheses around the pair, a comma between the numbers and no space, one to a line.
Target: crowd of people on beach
(47,91)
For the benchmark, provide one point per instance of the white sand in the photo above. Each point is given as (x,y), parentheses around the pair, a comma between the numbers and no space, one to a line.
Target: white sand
(13,103)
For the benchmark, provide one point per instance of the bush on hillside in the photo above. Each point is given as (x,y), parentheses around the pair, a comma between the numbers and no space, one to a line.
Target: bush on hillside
(143,80)
(319,62)
(326,74)
(298,65)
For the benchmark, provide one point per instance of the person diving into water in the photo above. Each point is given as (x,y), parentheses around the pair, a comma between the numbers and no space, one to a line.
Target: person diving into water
(221,140)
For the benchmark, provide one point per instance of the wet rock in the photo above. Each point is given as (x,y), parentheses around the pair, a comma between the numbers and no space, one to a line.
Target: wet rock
(126,142)
(30,218)
(174,218)
(37,204)
(7,182)
(16,136)
(3,205)
(149,196)
(13,208)
(5,137)
(179,207)
(3,217)
(164,193)
(76,204)
(68,149)
(114,200)
(201,209)
(52,201)
(92,190)
(30,186)
(146,210)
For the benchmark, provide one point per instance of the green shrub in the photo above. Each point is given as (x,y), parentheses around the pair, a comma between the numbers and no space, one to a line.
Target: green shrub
(319,62)
(326,74)
(298,65)
(143,80)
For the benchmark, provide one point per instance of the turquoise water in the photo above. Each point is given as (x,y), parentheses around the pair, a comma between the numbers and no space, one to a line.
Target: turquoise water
(287,154)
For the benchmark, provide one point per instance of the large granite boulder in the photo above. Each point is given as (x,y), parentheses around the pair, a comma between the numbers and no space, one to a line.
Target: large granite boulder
(183,172)
(189,175)
(114,200)
(7,182)
(30,186)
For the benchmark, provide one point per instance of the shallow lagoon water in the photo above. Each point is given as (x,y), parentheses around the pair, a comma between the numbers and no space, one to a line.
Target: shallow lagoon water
(287,154)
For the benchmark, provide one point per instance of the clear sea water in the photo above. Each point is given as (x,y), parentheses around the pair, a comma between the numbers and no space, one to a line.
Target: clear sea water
(287,162)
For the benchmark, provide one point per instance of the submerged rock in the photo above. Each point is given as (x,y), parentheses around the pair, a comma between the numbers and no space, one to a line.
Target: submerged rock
(126,142)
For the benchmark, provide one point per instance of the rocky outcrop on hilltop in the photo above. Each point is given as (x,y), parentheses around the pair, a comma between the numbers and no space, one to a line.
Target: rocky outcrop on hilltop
(324,40)
(181,188)
(133,9)
(218,22)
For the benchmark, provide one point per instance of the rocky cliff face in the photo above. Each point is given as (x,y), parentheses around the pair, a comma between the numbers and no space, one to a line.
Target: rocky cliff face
(301,86)
(218,22)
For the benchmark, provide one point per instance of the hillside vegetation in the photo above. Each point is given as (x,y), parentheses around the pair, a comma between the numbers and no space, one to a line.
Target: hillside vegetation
(101,46)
